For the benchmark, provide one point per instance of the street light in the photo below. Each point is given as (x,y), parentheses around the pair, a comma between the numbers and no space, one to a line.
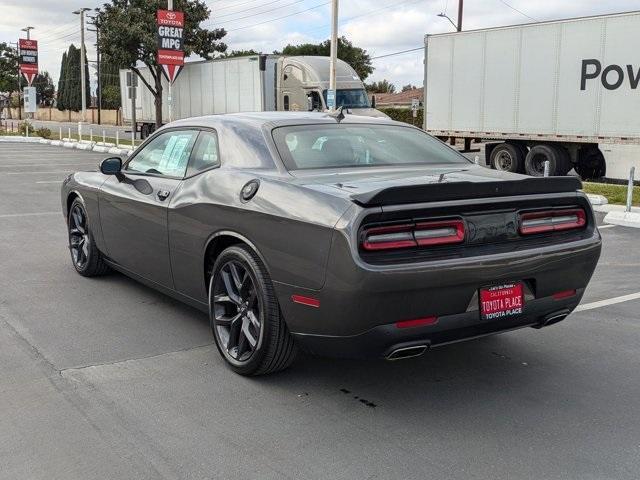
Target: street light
(444,15)
(457,26)
(83,80)
(28,29)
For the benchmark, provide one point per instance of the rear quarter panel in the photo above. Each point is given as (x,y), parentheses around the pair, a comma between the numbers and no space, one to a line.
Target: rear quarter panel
(289,226)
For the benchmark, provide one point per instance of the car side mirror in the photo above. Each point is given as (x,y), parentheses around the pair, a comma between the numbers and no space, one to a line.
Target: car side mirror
(111,166)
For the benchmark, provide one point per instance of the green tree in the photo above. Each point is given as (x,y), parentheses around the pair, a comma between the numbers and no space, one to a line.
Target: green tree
(128,36)
(9,70)
(110,83)
(240,53)
(408,87)
(61,101)
(69,84)
(44,89)
(383,86)
(357,57)
(111,98)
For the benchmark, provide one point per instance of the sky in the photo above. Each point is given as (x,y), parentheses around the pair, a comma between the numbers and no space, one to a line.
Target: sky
(382,27)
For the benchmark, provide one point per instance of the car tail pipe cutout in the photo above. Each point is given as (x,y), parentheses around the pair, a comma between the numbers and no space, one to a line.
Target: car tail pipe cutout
(407,352)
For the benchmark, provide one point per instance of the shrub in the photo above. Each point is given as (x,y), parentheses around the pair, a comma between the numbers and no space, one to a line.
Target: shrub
(22,128)
(43,132)
(404,115)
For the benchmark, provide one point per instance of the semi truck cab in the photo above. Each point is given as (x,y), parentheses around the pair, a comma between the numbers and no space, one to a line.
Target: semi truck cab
(303,83)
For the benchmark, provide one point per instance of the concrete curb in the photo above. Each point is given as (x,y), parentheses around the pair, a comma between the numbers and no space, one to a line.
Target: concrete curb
(625,219)
(10,138)
(597,199)
(72,143)
(614,208)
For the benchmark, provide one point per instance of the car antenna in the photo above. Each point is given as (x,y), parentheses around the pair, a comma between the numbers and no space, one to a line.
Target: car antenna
(338,115)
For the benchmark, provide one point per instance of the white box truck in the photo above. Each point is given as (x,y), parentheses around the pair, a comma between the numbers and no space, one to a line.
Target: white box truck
(248,84)
(564,91)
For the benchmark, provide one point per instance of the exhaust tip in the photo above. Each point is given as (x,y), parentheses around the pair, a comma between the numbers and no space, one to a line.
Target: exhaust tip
(553,318)
(407,352)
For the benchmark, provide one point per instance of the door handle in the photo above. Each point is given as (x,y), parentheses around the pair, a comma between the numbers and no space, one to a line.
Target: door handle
(163,194)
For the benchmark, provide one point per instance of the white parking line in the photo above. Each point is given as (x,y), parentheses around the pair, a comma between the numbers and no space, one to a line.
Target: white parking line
(34,214)
(606,303)
(606,226)
(52,164)
(35,173)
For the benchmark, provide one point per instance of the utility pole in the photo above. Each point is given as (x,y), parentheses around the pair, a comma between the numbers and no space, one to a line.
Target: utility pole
(28,30)
(17,44)
(334,56)
(83,79)
(99,83)
(170,91)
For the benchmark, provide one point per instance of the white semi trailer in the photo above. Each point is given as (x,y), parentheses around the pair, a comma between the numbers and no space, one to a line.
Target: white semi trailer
(564,91)
(248,84)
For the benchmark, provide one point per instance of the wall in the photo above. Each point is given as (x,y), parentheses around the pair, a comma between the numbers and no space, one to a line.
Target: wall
(108,117)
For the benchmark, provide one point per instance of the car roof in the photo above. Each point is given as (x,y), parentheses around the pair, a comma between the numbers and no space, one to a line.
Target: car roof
(277,119)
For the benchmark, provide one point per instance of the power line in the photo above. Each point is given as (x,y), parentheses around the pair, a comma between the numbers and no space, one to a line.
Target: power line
(253,8)
(280,18)
(236,5)
(397,53)
(519,11)
(372,12)
(53,31)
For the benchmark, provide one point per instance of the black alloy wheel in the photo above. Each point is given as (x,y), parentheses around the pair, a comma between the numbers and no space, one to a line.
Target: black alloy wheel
(79,242)
(87,259)
(245,317)
(237,312)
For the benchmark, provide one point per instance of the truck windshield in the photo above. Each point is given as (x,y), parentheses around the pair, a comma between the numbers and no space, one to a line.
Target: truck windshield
(344,146)
(350,98)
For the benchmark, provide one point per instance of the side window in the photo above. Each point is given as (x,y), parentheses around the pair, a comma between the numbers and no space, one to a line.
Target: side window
(167,154)
(286,103)
(205,153)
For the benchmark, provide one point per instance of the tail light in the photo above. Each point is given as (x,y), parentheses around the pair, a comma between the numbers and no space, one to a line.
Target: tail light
(422,234)
(552,221)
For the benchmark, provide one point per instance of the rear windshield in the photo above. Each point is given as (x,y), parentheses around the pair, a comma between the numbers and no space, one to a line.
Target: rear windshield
(343,146)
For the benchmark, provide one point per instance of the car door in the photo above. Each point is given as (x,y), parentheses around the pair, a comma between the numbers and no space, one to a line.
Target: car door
(134,205)
(188,231)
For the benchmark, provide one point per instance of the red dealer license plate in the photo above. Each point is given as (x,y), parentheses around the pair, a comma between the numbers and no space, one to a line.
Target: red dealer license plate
(501,301)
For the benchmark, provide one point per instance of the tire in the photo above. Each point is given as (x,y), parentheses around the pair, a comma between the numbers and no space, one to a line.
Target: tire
(557,156)
(85,256)
(241,294)
(507,157)
(144,131)
(591,165)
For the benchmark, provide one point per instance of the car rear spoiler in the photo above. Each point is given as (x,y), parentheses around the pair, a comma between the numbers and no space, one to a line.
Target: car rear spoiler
(438,192)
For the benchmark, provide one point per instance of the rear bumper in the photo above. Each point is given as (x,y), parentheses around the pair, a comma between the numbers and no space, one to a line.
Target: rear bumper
(383,340)
(360,304)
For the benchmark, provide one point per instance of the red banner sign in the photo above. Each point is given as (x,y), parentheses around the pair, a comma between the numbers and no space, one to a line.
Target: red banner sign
(170,37)
(28,58)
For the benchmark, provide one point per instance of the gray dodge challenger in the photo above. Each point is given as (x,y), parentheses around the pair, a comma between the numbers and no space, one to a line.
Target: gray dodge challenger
(342,235)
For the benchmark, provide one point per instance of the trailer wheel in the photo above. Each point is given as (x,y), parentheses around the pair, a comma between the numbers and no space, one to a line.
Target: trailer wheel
(591,164)
(507,157)
(558,157)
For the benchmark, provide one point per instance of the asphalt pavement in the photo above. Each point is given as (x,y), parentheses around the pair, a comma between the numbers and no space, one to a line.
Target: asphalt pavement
(107,379)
